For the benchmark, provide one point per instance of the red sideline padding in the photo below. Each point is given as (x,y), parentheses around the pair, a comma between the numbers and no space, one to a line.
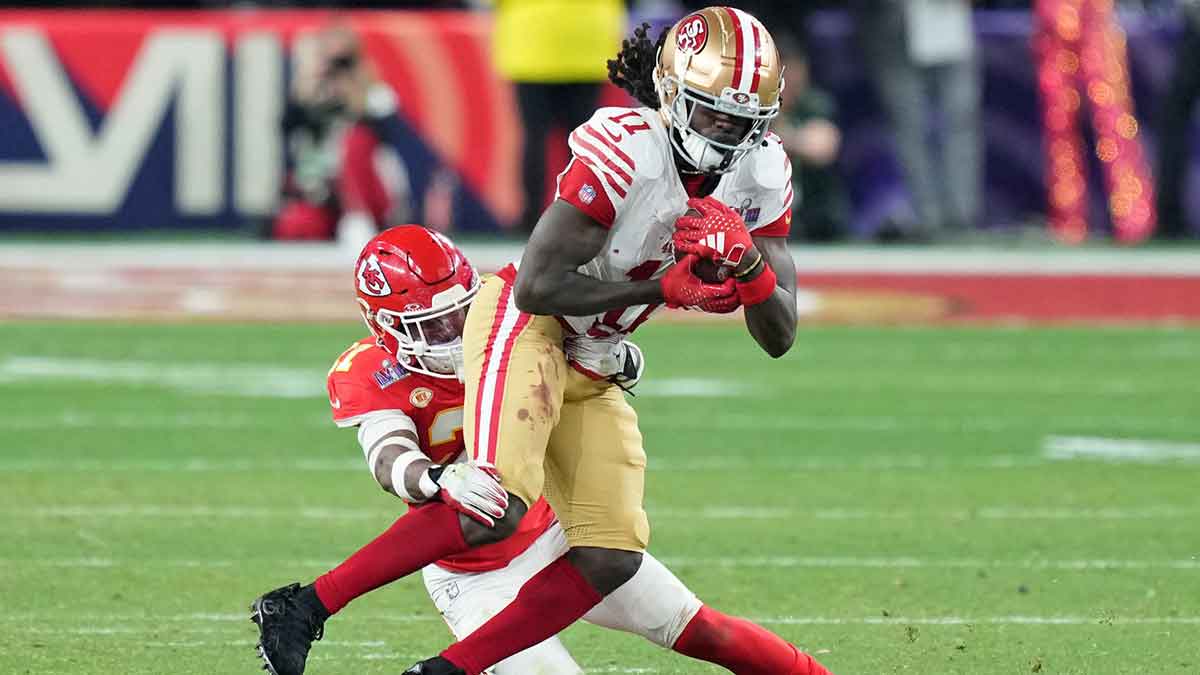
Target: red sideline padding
(1033,297)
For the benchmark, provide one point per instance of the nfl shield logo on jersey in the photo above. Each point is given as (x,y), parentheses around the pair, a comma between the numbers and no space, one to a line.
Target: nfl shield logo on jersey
(587,193)
(371,280)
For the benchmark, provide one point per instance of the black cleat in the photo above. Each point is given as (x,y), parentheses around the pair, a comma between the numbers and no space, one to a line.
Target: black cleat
(435,666)
(288,620)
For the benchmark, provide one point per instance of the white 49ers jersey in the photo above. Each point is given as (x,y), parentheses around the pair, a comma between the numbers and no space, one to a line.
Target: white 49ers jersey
(622,173)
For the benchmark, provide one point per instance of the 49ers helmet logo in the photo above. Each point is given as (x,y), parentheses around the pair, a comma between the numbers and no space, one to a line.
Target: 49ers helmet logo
(370,278)
(692,34)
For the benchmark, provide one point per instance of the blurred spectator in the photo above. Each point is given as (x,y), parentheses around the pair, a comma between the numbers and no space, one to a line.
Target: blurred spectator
(813,141)
(776,15)
(344,181)
(1176,121)
(1083,73)
(922,57)
(555,51)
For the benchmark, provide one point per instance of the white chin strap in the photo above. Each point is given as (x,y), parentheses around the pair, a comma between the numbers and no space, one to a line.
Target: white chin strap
(445,363)
(701,153)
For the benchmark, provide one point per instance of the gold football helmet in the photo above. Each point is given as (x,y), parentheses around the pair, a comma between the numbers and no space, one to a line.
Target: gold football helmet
(718,80)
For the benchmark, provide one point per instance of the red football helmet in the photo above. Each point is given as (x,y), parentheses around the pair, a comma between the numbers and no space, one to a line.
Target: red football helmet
(414,286)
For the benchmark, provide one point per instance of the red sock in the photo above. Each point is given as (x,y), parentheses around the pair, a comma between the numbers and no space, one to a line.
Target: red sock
(549,602)
(419,537)
(742,646)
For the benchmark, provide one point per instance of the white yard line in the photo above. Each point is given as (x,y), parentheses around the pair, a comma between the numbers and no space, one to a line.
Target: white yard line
(733,562)
(148,421)
(264,380)
(345,649)
(491,255)
(982,620)
(34,623)
(926,563)
(1003,512)
(194,465)
(818,463)
(241,379)
(693,463)
(1178,453)
(1117,449)
(888,424)
(104,626)
(690,387)
(726,424)
(91,538)
(107,512)
(255,379)
(114,511)
(1164,512)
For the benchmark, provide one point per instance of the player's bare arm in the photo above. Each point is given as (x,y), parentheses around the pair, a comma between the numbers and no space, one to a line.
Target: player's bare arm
(386,451)
(763,271)
(548,281)
(773,321)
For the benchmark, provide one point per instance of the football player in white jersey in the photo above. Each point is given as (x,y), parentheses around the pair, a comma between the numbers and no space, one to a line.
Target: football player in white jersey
(541,341)
(400,388)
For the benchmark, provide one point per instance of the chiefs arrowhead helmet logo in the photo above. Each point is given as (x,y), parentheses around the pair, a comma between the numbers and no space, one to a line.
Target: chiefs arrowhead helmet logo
(370,278)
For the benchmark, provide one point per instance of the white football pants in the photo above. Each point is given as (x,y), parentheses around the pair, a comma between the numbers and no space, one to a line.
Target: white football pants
(654,604)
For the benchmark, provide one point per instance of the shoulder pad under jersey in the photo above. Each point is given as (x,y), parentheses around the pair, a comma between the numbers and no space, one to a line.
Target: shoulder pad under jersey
(769,166)
(365,378)
(624,142)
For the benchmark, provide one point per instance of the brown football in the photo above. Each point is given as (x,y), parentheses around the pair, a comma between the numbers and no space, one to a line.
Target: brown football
(706,270)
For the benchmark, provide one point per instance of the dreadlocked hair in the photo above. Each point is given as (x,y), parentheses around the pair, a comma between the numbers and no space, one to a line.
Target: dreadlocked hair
(633,69)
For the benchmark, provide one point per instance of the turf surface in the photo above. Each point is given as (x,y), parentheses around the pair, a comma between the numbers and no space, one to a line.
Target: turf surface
(880,497)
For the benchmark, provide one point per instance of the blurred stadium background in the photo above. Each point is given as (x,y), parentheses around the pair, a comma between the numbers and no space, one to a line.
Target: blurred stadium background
(981,456)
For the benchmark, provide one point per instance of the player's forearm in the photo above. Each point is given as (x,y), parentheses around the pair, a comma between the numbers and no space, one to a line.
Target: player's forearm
(402,472)
(772,323)
(569,293)
(404,480)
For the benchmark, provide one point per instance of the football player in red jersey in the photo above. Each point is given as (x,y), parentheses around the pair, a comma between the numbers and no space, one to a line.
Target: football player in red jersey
(401,389)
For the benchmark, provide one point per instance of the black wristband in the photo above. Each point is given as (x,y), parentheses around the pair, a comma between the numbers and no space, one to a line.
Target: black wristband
(751,270)
(435,472)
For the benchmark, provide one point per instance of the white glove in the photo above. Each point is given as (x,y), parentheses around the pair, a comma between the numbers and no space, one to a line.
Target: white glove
(632,369)
(471,490)
(611,358)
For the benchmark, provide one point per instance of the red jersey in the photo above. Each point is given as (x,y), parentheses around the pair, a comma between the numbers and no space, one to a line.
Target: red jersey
(367,379)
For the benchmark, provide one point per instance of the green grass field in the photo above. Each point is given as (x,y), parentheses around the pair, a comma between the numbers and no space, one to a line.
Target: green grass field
(881,497)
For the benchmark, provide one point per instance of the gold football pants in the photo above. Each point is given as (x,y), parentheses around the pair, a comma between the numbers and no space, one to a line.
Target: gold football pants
(549,429)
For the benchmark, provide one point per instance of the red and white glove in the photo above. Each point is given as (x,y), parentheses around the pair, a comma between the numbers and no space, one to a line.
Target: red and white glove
(682,288)
(722,305)
(473,491)
(718,233)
